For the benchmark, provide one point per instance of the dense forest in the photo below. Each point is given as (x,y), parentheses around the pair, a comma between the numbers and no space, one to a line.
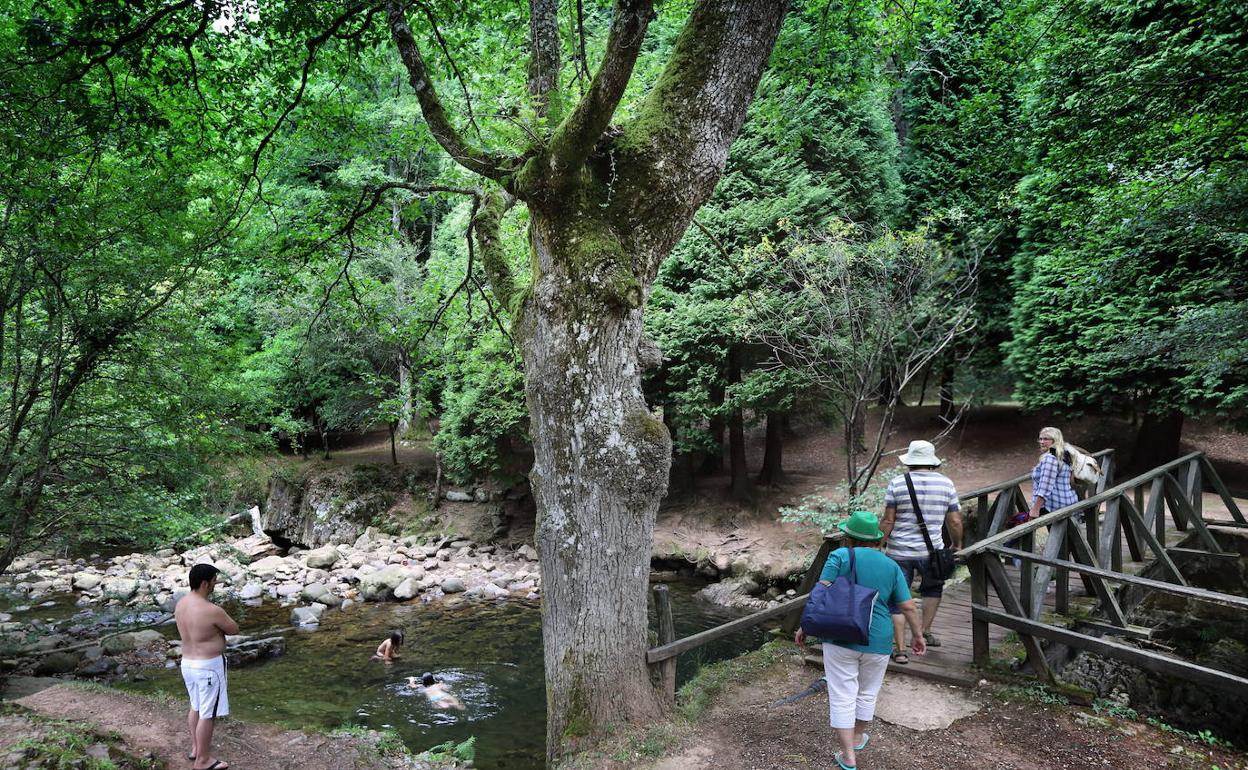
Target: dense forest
(230,228)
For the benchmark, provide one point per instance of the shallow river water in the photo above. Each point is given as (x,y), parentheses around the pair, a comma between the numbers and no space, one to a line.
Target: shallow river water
(489,654)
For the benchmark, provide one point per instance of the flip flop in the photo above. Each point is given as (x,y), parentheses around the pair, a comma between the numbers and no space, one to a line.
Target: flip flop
(866,738)
(836,756)
(216,765)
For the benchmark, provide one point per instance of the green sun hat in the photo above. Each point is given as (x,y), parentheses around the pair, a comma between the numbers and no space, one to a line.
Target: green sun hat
(862,525)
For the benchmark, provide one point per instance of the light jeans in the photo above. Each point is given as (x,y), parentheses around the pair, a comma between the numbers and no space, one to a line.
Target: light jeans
(854,679)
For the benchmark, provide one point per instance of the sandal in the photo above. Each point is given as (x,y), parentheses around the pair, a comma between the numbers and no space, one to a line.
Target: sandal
(900,657)
(842,765)
(931,639)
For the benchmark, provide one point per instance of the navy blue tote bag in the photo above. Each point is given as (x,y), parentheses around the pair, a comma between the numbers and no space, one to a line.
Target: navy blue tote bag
(840,612)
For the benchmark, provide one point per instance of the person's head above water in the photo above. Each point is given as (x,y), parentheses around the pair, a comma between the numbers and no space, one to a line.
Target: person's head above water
(396,638)
(427,679)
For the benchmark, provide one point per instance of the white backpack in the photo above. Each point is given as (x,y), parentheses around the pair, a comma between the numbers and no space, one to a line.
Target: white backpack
(1083,469)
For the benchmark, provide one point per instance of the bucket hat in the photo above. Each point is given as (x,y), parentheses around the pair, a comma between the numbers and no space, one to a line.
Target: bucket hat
(862,525)
(920,453)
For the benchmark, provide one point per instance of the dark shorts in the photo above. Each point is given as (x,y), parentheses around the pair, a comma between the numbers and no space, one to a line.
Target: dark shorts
(929,586)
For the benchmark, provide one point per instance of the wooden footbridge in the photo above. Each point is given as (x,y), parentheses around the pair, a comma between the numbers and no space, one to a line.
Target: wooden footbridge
(1121,542)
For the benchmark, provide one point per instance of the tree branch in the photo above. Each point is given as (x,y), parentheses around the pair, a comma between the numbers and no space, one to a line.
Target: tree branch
(679,140)
(470,157)
(486,222)
(544,56)
(575,138)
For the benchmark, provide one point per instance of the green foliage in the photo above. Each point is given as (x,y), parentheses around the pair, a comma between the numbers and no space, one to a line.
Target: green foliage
(826,512)
(698,693)
(464,751)
(1134,214)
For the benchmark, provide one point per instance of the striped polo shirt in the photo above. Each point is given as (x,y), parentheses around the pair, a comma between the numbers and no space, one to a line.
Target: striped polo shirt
(937,496)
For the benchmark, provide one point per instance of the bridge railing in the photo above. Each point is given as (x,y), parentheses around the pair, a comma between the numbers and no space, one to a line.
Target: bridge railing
(1086,539)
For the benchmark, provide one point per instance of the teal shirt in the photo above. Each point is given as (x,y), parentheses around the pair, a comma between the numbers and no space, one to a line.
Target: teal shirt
(874,570)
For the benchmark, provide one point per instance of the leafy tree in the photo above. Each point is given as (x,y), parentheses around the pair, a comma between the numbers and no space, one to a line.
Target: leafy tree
(1134,217)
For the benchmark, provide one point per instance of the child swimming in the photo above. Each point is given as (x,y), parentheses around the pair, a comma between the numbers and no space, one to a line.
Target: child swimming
(438,693)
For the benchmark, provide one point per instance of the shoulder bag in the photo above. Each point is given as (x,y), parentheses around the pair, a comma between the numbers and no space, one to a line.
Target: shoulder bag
(841,611)
(940,559)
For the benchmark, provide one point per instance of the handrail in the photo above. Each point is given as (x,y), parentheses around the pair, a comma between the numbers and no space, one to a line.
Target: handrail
(1064,513)
(672,649)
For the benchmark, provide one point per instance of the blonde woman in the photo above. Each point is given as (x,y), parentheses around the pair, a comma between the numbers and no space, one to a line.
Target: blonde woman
(1050,480)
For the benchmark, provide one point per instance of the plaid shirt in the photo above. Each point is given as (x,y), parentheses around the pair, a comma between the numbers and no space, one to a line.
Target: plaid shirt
(1050,479)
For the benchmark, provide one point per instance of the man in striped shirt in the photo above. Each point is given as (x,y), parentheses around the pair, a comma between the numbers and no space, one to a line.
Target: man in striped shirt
(905,544)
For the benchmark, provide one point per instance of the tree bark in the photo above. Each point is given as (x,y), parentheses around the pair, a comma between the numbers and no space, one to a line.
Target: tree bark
(601,463)
(1158,439)
(772,472)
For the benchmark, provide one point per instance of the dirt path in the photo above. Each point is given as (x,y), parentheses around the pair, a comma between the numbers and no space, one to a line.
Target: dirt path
(147,726)
(743,731)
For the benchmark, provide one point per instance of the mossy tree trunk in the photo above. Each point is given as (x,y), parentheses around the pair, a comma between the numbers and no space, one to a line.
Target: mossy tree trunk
(606,206)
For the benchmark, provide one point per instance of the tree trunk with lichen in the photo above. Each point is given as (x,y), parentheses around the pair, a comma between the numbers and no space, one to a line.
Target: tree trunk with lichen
(600,470)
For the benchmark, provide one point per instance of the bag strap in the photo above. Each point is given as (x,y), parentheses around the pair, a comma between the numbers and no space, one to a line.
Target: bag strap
(853,568)
(918,514)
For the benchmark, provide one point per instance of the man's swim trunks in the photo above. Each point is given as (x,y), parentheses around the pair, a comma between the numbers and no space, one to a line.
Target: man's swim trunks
(205,684)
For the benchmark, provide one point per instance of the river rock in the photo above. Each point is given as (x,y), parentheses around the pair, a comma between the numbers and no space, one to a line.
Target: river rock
(380,585)
(323,558)
(269,565)
(406,590)
(86,581)
(252,590)
(97,667)
(453,585)
(486,591)
(287,590)
(120,588)
(458,496)
(56,663)
(48,643)
(115,645)
(527,552)
(5,617)
(314,591)
(307,616)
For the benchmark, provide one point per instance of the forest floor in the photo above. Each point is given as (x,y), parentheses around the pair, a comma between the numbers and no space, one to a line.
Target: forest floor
(919,726)
(990,444)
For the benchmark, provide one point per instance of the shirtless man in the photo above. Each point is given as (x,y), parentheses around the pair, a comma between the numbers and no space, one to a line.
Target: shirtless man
(203,627)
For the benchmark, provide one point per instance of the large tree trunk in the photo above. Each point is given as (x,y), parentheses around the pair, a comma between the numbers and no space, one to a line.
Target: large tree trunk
(1157,441)
(600,469)
(773,453)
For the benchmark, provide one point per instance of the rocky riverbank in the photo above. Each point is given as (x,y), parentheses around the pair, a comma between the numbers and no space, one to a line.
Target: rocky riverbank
(136,589)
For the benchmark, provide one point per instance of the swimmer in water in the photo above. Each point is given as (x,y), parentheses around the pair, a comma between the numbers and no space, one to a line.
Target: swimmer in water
(438,693)
(388,650)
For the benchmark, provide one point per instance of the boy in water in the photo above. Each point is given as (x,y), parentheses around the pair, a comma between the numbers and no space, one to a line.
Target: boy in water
(438,693)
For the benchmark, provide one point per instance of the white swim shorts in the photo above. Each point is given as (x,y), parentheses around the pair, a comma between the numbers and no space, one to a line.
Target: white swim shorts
(205,684)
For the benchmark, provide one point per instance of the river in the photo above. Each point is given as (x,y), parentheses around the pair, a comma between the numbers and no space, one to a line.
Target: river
(489,654)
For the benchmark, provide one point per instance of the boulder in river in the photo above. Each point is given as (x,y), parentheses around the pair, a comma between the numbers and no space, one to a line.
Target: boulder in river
(120,588)
(453,585)
(323,558)
(86,581)
(56,663)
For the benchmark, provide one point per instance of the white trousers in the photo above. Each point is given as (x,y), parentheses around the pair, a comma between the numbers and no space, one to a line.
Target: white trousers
(854,679)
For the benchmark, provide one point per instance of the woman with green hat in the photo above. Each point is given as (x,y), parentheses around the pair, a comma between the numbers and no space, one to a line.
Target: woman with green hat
(854,672)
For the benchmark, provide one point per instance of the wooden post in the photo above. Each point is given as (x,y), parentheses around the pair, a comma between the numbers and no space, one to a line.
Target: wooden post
(1062,599)
(1221,489)
(1027,573)
(979,595)
(667,635)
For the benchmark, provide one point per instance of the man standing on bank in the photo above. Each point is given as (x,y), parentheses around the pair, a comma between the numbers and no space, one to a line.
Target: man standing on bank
(203,627)
(906,543)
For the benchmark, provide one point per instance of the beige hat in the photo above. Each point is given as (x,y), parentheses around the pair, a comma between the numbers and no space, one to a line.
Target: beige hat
(920,453)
